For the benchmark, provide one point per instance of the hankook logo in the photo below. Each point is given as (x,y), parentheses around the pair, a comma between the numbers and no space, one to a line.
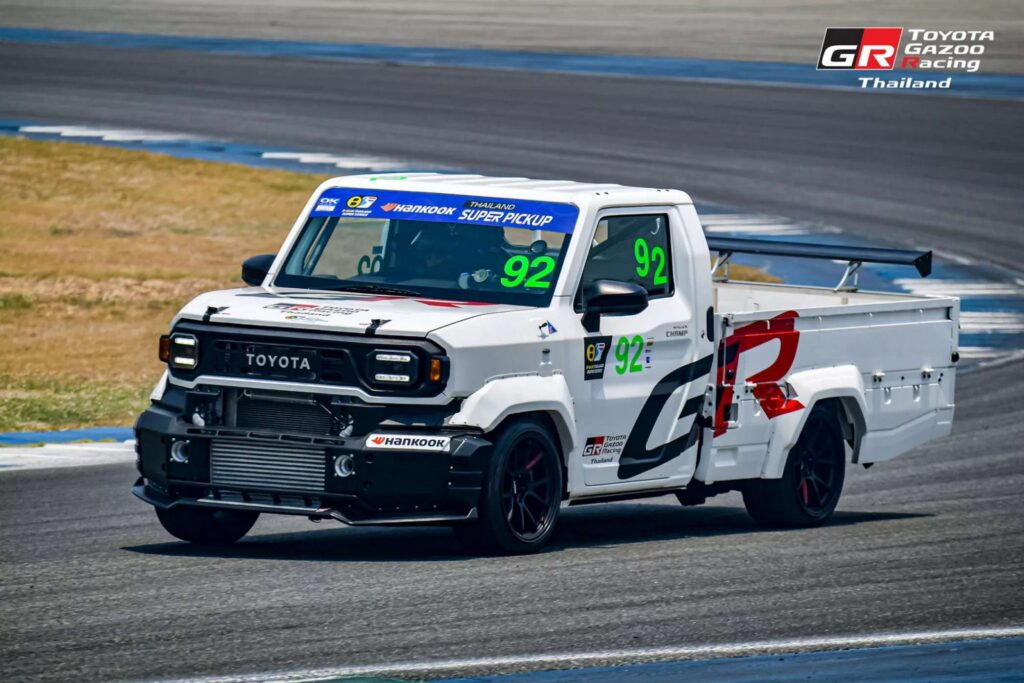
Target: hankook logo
(402,442)
(268,360)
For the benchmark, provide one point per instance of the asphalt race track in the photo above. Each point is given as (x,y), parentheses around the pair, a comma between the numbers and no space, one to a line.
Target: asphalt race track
(92,588)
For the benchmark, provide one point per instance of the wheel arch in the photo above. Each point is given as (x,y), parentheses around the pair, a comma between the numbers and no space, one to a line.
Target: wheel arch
(840,387)
(501,400)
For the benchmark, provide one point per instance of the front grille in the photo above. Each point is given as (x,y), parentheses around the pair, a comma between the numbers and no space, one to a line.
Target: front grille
(281,416)
(338,359)
(267,465)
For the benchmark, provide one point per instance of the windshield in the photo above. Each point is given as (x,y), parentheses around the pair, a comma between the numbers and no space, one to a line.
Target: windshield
(432,245)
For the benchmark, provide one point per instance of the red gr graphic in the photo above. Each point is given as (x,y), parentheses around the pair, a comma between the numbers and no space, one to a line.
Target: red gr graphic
(377,440)
(767,391)
(860,48)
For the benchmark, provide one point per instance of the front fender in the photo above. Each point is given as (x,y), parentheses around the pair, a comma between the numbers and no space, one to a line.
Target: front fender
(811,386)
(501,398)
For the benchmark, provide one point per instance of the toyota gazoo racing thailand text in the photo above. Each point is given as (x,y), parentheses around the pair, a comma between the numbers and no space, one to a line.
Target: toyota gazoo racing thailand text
(476,352)
(913,51)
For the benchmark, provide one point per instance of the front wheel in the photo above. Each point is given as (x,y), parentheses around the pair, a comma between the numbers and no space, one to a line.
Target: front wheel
(522,492)
(204,526)
(809,489)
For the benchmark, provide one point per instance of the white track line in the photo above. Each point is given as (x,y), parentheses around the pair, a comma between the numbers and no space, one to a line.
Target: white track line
(342,161)
(750,224)
(50,456)
(995,322)
(981,352)
(338,160)
(577,659)
(961,288)
(108,134)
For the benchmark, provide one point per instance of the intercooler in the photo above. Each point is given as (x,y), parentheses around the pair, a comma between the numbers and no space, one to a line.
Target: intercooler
(269,465)
(256,412)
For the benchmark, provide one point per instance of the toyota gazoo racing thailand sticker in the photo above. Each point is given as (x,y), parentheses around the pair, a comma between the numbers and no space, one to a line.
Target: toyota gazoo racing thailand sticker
(923,51)
(447,208)
(408,442)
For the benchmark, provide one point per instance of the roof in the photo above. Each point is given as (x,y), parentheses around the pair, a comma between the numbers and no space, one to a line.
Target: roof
(519,188)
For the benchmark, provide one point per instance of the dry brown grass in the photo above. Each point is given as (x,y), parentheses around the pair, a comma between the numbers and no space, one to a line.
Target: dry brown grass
(99,247)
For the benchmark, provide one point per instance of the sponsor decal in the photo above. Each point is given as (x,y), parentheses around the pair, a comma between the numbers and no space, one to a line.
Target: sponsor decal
(327,204)
(879,49)
(315,310)
(493,206)
(547,329)
(419,208)
(606,446)
(677,331)
(529,220)
(769,394)
(408,442)
(425,206)
(357,202)
(595,356)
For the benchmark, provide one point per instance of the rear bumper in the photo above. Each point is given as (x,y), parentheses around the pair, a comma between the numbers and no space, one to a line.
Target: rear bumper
(291,474)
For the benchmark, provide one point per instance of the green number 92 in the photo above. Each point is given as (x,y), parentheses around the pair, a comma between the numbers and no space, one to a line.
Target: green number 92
(538,269)
(622,354)
(646,258)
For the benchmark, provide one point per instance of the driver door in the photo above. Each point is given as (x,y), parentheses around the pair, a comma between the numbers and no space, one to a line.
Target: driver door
(638,419)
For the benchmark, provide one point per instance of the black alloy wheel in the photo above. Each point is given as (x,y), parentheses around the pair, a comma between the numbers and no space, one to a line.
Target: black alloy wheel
(812,481)
(817,472)
(529,497)
(522,491)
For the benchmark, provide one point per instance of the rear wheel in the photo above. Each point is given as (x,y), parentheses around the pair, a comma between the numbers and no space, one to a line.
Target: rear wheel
(810,486)
(522,492)
(204,526)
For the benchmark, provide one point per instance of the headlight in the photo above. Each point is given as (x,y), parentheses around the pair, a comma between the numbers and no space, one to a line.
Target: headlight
(184,351)
(394,367)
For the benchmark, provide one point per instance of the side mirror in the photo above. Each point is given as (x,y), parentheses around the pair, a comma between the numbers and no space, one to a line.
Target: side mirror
(255,269)
(611,297)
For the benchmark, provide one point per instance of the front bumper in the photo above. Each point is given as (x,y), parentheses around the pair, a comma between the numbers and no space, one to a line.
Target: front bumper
(231,468)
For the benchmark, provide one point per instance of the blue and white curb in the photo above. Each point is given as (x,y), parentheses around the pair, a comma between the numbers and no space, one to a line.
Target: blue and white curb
(974,85)
(53,456)
(67,436)
(210,149)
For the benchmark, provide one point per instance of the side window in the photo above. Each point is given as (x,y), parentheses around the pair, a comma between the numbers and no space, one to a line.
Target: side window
(632,249)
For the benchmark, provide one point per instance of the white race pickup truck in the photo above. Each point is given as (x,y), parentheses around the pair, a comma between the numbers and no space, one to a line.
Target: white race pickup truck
(475,352)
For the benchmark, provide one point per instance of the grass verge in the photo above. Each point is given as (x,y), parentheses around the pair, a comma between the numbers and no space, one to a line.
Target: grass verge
(99,247)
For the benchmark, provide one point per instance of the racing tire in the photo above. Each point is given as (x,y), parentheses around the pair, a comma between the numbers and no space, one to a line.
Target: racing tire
(809,490)
(204,526)
(521,496)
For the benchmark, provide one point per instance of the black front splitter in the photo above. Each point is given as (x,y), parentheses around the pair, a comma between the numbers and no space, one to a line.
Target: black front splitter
(158,500)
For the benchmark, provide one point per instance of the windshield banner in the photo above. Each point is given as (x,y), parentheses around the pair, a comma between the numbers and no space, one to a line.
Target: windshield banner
(446,208)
